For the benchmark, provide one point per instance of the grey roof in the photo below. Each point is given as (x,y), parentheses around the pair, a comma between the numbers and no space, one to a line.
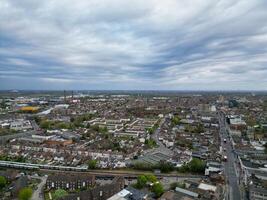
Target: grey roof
(187,192)
(135,194)
(70,177)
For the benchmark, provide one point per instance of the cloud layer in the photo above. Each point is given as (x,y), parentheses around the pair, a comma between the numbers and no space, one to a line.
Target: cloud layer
(125,44)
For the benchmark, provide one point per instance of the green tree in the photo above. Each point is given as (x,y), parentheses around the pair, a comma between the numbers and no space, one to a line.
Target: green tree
(150,130)
(103,129)
(37,119)
(92,164)
(151,178)
(184,169)
(59,193)
(175,120)
(95,128)
(177,184)
(199,128)
(3,104)
(45,124)
(197,165)
(20,159)
(77,122)
(62,125)
(157,188)
(251,121)
(2,182)
(143,166)
(141,181)
(72,119)
(25,194)
(165,166)
(150,143)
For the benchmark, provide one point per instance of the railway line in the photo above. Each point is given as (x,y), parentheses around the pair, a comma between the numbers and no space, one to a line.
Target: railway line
(84,169)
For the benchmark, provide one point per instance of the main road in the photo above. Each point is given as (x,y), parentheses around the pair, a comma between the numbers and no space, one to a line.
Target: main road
(229,165)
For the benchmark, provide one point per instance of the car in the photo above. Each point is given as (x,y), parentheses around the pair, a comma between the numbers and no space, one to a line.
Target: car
(225,158)
(224,140)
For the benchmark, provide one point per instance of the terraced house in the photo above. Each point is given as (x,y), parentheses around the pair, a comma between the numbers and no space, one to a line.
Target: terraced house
(70,181)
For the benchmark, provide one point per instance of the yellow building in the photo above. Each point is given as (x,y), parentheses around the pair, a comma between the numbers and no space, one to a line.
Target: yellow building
(29,108)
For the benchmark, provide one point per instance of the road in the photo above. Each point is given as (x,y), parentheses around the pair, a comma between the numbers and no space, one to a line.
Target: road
(229,165)
(38,193)
(155,136)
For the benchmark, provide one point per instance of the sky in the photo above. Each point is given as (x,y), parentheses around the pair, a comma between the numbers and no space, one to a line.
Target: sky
(133,45)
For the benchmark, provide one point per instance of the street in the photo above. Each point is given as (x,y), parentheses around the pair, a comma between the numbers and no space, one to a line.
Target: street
(38,193)
(229,165)
(155,136)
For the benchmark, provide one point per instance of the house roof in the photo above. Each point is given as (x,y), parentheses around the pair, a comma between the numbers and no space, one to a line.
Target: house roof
(204,186)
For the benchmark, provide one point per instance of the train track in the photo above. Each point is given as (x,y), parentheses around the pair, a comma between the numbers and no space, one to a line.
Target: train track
(103,172)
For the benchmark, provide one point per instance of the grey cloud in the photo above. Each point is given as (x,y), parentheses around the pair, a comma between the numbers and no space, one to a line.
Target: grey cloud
(156,43)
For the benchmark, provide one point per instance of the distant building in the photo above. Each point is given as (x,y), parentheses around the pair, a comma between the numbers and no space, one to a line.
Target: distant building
(19,125)
(233,103)
(29,109)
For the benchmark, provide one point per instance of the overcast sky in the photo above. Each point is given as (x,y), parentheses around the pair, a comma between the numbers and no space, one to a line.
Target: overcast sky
(133,44)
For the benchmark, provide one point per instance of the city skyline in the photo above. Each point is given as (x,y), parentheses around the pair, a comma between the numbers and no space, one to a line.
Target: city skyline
(126,45)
